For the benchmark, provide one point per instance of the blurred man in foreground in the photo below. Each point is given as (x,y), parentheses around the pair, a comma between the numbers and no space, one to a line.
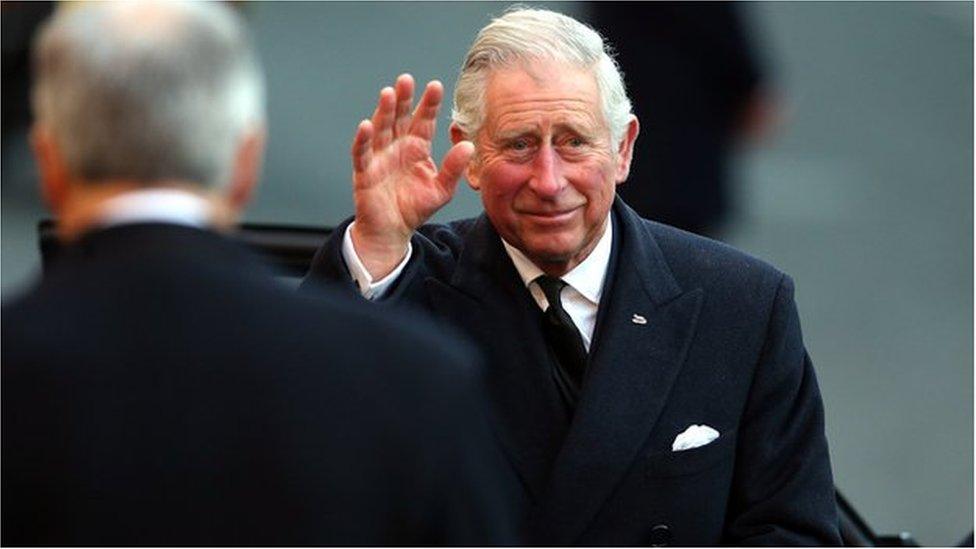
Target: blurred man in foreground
(651,387)
(158,387)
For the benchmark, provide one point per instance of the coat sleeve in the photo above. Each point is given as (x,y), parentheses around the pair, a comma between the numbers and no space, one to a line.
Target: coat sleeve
(783,491)
(328,268)
(435,251)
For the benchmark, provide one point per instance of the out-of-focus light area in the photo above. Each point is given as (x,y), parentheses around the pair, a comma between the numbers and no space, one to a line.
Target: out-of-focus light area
(851,168)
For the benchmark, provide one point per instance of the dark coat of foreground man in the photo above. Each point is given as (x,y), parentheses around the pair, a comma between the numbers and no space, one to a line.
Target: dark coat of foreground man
(158,386)
(721,346)
(160,389)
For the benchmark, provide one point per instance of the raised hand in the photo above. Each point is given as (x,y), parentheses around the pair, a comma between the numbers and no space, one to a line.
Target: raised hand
(396,185)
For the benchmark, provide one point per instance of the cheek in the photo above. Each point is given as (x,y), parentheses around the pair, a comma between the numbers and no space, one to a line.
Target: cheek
(597,184)
(596,181)
(502,180)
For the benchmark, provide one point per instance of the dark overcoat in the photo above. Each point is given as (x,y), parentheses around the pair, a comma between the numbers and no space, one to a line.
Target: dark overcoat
(689,331)
(160,389)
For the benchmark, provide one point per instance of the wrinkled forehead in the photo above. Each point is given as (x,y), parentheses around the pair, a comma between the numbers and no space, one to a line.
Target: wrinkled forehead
(542,93)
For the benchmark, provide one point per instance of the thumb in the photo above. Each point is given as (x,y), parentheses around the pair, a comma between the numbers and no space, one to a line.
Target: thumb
(453,165)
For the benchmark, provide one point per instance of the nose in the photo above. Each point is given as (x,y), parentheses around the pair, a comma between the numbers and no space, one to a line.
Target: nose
(547,177)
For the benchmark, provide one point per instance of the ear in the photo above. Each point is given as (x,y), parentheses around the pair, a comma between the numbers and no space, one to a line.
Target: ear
(246,169)
(51,169)
(625,150)
(471,173)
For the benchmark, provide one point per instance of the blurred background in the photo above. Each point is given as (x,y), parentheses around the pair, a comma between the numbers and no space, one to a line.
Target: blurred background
(834,140)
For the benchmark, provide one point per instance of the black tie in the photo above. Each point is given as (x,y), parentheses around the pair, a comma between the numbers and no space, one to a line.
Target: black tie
(562,335)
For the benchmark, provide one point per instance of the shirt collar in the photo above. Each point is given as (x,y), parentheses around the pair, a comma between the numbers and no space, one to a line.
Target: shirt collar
(156,206)
(586,278)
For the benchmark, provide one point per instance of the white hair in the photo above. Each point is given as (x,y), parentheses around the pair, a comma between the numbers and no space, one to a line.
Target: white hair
(525,35)
(147,91)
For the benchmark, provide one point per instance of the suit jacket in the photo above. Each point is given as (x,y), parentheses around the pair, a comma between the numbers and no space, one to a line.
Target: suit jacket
(721,346)
(160,389)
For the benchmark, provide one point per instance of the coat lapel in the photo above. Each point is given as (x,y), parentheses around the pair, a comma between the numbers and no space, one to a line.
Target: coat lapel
(632,367)
(486,297)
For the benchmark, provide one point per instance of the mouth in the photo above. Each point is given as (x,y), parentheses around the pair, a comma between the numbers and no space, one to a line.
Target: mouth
(551,217)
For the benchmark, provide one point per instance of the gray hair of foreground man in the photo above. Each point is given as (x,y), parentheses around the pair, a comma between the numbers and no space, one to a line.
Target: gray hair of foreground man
(147,92)
(525,35)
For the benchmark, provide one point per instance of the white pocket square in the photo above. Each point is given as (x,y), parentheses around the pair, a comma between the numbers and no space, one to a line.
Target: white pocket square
(693,437)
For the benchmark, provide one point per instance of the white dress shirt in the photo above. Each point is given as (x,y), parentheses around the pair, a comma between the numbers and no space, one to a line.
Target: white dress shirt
(580,297)
(584,284)
(369,288)
(155,206)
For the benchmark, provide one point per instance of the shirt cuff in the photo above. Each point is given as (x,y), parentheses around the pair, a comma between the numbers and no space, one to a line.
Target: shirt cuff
(369,288)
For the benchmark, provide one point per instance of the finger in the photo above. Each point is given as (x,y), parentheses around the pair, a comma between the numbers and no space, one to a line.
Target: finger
(424,122)
(362,150)
(454,164)
(383,118)
(404,100)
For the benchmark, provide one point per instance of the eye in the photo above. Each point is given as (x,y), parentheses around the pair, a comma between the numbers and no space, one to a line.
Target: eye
(519,145)
(573,142)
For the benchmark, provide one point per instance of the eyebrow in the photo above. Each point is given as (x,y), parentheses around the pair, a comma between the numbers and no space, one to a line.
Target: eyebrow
(579,129)
(515,134)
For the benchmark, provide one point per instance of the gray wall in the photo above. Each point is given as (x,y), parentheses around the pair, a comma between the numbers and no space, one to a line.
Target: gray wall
(865,198)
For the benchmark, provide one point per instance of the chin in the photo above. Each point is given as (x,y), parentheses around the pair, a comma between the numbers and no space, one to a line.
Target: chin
(548,253)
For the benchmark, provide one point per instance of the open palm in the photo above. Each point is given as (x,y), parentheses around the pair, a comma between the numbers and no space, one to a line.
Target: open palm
(396,184)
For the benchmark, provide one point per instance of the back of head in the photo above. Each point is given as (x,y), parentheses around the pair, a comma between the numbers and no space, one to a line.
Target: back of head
(524,35)
(147,92)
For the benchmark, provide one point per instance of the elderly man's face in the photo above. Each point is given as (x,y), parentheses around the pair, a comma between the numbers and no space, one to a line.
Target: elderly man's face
(546,165)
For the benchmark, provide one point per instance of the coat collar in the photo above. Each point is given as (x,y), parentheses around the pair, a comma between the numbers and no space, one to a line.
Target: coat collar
(644,326)
(482,259)
(156,241)
(636,256)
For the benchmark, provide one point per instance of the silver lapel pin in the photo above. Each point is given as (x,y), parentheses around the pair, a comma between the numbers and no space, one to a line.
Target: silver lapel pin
(638,319)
